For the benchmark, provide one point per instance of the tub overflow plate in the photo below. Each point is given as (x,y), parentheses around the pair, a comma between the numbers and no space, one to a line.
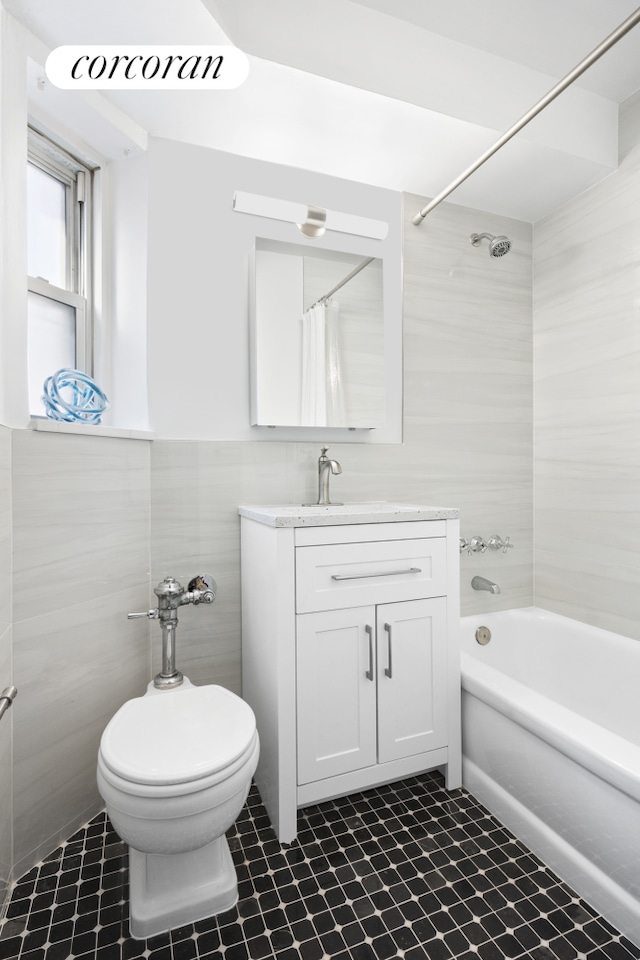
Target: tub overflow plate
(483,635)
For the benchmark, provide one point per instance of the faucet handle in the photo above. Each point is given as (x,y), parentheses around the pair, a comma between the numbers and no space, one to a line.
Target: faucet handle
(477,545)
(150,614)
(497,543)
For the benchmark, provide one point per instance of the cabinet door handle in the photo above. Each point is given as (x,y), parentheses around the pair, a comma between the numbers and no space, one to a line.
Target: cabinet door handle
(388,672)
(369,672)
(386,573)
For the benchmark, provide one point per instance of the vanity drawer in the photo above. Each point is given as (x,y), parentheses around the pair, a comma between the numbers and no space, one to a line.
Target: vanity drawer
(334,576)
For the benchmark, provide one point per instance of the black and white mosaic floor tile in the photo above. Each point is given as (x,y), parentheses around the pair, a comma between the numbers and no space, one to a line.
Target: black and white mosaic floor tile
(404,871)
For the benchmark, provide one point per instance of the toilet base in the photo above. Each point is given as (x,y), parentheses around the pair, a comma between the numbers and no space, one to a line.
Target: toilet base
(171,890)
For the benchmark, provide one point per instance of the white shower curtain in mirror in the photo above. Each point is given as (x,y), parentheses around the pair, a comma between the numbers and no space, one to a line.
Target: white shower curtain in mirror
(322,397)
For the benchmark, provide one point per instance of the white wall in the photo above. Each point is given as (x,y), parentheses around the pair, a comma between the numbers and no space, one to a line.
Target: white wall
(199,252)
(14,401)
(121,355)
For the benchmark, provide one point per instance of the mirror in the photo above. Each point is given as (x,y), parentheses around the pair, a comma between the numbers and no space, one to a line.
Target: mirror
(316,362)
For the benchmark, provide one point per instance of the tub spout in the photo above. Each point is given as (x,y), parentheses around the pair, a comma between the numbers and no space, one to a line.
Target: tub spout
(479,583)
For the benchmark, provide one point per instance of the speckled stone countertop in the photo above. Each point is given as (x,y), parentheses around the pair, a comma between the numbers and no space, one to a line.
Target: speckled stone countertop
(314,515)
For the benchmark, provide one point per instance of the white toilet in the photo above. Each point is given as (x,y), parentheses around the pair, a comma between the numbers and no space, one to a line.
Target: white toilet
(174,770)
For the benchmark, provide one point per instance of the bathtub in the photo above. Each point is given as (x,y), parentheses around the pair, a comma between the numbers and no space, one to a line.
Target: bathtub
(551,746)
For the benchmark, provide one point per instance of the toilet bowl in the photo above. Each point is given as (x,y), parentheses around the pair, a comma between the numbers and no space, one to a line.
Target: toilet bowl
(174,770)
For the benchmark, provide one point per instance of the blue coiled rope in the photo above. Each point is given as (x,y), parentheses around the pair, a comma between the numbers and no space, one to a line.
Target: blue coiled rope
(84,401)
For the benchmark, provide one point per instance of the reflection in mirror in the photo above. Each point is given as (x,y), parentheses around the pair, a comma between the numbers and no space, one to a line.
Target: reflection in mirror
(317,360)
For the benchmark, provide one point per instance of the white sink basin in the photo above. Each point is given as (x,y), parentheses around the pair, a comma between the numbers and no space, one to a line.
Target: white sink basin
(313,514)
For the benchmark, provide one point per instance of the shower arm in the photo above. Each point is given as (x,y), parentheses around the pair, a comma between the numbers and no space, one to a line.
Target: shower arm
(595,54)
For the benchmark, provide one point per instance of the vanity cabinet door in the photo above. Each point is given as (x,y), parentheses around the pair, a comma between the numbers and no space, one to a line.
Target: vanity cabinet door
(336,692)
(412,677)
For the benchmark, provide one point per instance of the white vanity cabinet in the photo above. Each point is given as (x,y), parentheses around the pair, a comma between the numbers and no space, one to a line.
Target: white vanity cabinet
(350,649)
(370,686)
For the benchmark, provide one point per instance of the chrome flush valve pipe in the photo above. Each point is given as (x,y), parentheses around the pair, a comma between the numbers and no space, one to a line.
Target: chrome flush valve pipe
(171,595)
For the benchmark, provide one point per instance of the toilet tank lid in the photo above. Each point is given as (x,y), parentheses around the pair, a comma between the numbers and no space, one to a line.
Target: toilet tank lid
(176,736)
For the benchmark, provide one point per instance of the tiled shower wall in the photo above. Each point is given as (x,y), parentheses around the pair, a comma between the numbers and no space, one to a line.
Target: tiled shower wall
(587,398)
(467,387)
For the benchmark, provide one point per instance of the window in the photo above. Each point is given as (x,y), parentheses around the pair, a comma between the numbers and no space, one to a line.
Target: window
(59,189)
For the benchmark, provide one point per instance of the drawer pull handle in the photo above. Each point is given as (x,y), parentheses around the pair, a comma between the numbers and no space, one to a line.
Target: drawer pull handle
(366,576)
(369,672)
(388,672)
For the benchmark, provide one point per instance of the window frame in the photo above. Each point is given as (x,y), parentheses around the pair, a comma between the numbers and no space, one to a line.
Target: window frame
(77,177)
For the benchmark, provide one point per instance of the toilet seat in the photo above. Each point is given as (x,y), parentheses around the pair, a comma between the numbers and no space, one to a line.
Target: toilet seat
(191,736)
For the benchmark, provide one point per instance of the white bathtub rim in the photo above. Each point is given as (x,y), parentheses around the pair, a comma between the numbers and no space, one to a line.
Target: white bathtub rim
(607,755)
(540,615)
(602,893)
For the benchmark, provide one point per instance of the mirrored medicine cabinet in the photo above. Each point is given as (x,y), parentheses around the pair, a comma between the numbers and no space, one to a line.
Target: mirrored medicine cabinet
(316,362)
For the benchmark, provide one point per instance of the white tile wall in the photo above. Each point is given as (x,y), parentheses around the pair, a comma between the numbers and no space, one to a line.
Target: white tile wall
(81,515)
(6,674)
(468,378)
(587,398)
(81,552)
(5,530)
(196,488)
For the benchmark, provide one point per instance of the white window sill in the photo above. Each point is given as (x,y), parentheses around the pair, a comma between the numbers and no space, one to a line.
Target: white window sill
(88,429)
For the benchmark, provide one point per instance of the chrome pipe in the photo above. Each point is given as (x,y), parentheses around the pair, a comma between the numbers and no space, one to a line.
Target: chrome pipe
(579,69)
(7,697)
(169,676)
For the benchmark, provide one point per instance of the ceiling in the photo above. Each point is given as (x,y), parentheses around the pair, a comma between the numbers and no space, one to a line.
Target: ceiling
(403,94)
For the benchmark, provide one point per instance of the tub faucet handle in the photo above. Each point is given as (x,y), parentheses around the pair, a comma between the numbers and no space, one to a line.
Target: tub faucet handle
(497,543)
(477,545)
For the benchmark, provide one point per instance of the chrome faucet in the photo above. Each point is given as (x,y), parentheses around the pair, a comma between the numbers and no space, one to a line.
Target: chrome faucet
(325,468)
(479,583)
(171,595)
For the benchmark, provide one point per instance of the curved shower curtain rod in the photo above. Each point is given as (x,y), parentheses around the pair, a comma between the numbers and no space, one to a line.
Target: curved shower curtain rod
(595,54)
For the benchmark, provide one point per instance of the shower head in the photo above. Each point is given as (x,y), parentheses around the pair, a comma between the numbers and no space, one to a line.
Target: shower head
(498,246)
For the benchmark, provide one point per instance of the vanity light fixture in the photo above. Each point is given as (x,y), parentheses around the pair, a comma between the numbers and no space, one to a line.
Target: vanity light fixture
(311,221)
